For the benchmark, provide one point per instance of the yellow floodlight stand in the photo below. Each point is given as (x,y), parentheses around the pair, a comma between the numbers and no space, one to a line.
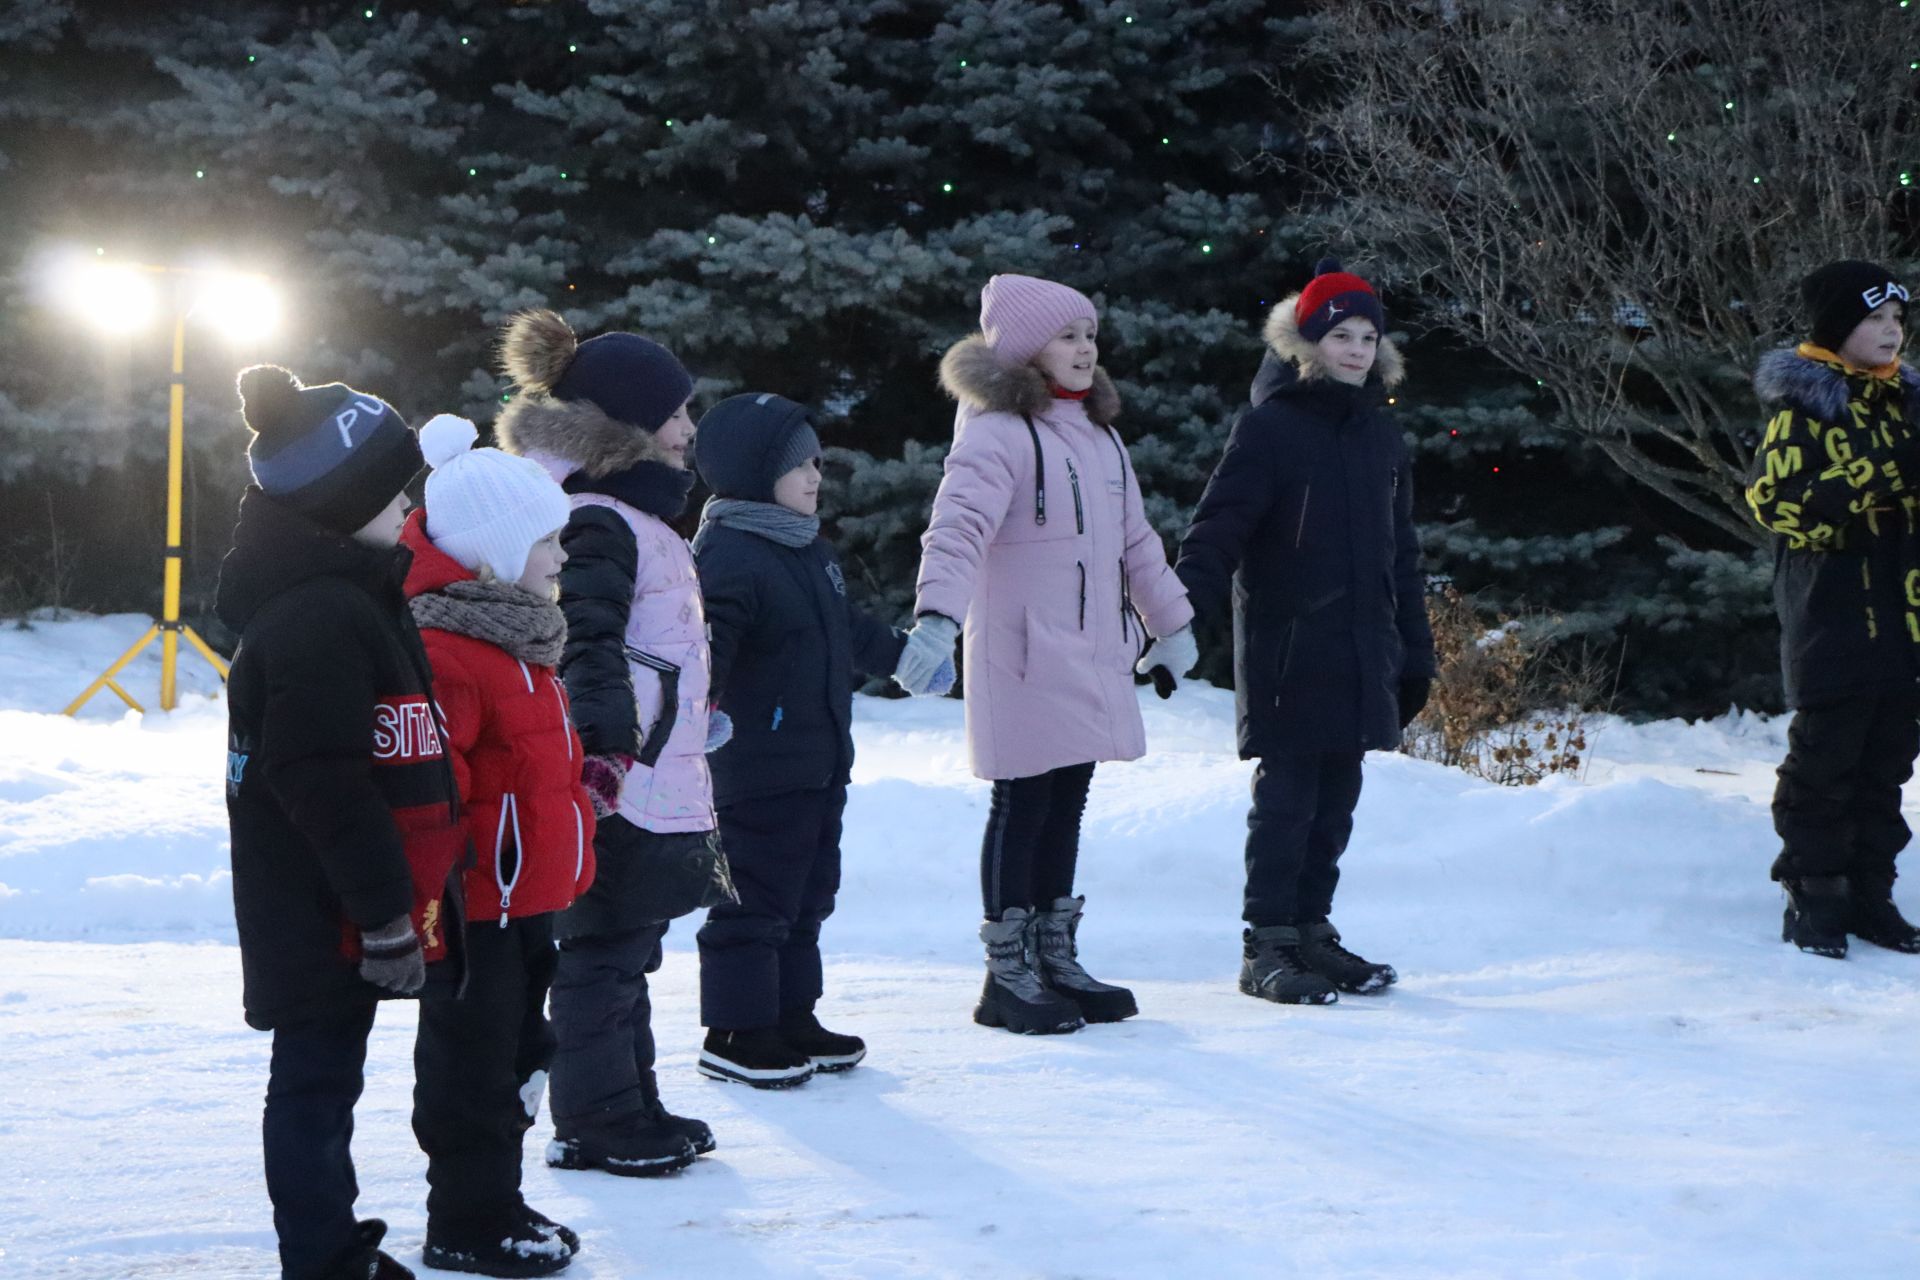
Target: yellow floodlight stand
(169,628)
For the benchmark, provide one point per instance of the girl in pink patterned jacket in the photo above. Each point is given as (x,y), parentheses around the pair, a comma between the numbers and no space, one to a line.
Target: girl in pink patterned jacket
(608,419)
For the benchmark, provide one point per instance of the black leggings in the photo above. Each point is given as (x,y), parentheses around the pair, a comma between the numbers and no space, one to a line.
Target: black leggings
(1033,839)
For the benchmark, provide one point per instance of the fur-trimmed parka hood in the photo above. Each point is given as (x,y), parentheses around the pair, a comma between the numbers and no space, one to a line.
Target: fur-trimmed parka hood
(536,351)
(1799,377)
(576,431)
(1286,341)
(971,373)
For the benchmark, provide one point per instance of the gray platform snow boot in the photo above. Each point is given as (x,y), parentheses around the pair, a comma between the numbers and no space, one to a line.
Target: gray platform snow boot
(1057,929)
(1014,996)
(1271,968)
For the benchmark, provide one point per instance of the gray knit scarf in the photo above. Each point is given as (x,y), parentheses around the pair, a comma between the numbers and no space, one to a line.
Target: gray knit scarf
(499,613)
(768,519)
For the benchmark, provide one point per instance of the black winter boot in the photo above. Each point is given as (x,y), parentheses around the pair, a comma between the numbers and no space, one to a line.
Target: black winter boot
(1014,996)
(364,1259)
(541,1224)
(760,1057)
(696,1132)
(511,1249)
(1818,911)
(1271,968)
(1057,930)
(1877,920)
(1320,951)
(830,1050)
(631,1145)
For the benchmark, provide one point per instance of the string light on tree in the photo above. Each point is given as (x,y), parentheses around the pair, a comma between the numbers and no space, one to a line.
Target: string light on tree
(947,187)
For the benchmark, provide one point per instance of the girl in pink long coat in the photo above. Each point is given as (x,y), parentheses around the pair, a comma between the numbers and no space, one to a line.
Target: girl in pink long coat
(1039,543)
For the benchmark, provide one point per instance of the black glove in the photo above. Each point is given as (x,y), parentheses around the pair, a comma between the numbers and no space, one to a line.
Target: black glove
(1413,697)
(391,959)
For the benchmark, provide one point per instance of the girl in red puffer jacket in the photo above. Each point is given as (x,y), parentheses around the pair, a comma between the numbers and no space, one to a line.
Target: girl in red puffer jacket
(483,588)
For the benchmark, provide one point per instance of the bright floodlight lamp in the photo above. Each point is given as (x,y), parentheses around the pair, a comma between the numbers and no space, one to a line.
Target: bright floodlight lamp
(109,296)
(242,308)
(122,298)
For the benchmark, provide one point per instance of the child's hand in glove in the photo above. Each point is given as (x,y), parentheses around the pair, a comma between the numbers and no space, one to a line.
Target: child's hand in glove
(390,957)
(603,777)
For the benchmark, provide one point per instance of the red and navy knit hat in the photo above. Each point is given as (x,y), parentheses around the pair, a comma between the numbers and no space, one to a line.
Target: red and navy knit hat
(333,453)
(1332,296)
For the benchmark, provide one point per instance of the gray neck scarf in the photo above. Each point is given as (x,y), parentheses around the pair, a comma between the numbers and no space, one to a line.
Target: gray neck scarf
(768,519)
(500,613)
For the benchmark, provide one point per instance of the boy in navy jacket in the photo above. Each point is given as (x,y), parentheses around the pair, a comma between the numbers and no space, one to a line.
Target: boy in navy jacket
(786,644)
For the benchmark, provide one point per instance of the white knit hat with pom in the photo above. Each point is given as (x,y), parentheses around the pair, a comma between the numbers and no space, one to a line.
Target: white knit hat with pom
(485,507)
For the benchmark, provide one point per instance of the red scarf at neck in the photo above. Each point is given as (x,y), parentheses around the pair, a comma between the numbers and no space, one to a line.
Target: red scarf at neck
(1061,393)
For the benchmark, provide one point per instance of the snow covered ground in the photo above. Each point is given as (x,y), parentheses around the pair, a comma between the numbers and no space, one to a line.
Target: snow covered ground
(1600,1061)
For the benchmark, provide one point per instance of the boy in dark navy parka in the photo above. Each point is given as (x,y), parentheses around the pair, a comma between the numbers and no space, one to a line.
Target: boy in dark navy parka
(1307,524)
(786,644)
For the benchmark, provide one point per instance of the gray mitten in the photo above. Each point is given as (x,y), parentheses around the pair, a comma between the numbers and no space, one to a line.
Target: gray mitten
(390,957)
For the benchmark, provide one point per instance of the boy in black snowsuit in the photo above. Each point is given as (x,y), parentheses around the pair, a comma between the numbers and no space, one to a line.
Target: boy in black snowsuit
(345,827)
(786,644)
(1837,480)
(1308,522)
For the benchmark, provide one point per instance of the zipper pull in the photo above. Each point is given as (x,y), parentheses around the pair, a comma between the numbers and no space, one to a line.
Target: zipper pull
(778,712)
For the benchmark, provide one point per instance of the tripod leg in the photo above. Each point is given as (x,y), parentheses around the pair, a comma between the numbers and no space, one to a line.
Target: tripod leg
(106,677)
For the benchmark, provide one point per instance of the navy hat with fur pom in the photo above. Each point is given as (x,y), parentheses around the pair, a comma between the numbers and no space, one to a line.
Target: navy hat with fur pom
(631,379)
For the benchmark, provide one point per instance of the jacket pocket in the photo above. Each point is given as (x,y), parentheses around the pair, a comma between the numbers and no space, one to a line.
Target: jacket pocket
(654,740)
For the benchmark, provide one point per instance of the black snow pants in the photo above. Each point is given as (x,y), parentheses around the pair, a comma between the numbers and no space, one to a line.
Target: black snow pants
(1301,820)
(760,957)
(480,1065)
(307,1133)
(1837,804)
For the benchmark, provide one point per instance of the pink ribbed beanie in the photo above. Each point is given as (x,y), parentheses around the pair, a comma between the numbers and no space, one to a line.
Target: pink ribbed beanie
(1020,314)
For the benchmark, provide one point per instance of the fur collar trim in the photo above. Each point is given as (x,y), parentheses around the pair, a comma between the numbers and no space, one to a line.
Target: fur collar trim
(1283,335)
(577,430)
(1793,376)
(971,373)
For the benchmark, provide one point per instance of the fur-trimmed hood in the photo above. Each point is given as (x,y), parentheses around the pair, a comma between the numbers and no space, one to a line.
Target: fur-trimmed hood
(971,373)
(576,431)
(1790,376)
(1283,336)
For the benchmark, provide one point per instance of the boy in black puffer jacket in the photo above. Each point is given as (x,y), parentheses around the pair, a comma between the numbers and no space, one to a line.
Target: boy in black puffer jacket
(786,644)
(1837,479)
(1308,523)
(344,817)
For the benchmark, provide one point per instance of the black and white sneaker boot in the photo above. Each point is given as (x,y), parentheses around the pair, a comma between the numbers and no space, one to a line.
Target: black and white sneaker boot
(830,1050)
(1272,969)
(760,1057)
(1877,920)
(510,1250)
(541,1224)
(696,1132)
(1015,997)
(1320,951)
(1057,931)
(631,1146)
(1818,912)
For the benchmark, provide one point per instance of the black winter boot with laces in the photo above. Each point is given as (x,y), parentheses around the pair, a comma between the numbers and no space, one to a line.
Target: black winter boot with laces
(1320,951)
(1272,969)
